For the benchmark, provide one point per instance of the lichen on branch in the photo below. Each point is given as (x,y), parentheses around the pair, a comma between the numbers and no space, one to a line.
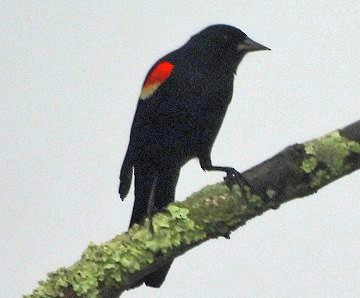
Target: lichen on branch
(108,269)
(327,157)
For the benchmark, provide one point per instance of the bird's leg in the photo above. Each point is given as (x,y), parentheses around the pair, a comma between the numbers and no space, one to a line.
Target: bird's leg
(232,176)
(150,207)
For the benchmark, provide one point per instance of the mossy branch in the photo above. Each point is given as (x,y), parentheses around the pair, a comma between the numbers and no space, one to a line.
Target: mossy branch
(108,269)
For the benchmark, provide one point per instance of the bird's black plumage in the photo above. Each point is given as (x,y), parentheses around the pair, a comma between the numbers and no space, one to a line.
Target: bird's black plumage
(180,117)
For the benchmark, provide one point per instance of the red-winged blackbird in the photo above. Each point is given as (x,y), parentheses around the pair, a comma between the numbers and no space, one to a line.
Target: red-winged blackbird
(181,107)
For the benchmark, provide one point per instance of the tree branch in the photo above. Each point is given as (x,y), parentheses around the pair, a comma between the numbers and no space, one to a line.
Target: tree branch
(108,269)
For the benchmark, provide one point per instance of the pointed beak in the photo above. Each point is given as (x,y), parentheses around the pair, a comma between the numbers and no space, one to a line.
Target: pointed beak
(249,45)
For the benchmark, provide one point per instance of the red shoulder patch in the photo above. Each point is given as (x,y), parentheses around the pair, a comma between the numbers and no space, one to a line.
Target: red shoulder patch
(155,78)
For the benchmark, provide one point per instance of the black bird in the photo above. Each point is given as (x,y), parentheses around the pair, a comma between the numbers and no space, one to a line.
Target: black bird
(181,107)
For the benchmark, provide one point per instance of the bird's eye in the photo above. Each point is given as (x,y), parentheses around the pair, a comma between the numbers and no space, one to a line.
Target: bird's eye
(226,37)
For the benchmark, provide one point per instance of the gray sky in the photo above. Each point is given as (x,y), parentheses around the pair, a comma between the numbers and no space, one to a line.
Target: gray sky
(70,76)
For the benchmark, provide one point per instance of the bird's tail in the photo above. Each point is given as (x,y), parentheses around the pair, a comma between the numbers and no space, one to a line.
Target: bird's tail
(152,193)
(126,176)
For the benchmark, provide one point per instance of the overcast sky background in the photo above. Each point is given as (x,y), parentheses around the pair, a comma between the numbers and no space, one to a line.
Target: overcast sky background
(70,76)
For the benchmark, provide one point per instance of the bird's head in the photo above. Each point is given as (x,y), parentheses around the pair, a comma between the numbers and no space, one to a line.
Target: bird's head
(225,43)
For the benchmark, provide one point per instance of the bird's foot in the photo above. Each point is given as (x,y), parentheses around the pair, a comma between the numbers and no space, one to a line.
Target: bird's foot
(233,177)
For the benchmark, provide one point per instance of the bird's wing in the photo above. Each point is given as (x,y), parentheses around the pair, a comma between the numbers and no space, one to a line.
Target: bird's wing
(145,109)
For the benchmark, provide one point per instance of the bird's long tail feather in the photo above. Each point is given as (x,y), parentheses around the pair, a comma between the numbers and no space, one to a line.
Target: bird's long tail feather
(125,176)
(152,193)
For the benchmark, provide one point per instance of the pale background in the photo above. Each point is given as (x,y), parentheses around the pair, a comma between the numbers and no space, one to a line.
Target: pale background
(70,75)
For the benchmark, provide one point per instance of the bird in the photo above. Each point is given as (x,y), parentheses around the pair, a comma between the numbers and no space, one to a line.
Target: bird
(180,110)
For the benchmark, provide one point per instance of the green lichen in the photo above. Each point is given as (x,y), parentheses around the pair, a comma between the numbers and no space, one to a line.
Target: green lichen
(113,261)
(354,146)
(219,209)
(211,212)
(256,201)
(326,157)
(309,164)
(56,287)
